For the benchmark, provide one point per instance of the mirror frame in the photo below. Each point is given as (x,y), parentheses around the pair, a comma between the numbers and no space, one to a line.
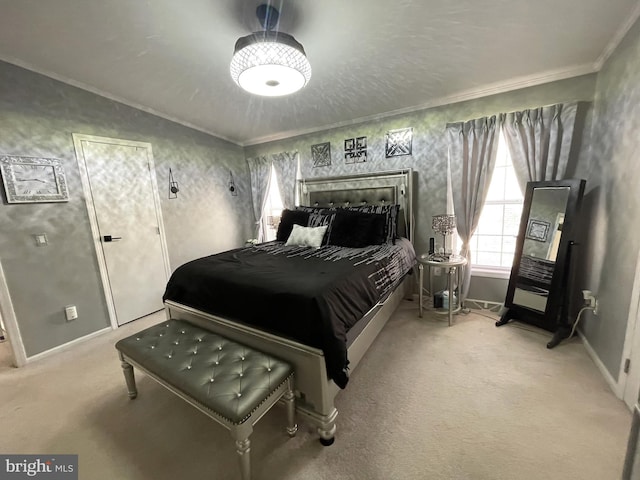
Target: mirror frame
(558,294)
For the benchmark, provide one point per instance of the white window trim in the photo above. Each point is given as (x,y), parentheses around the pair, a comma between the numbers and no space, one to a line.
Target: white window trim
(490,272)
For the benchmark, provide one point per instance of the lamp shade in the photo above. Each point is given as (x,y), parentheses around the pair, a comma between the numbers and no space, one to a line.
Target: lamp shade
(444,223)
(270,64)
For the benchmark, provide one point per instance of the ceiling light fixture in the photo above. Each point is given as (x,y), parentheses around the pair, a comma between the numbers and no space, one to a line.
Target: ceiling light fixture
(269,63)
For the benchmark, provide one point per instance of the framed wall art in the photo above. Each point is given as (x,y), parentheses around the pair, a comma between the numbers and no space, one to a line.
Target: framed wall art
(399,142)
(33,179)
(321,154)
(355,150)
(538,230)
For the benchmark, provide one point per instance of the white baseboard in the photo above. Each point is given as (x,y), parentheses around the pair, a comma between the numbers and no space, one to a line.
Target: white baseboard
(68,345)
(613,383)
(485,304)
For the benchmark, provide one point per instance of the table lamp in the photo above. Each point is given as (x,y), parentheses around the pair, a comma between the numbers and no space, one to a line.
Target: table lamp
(444,224)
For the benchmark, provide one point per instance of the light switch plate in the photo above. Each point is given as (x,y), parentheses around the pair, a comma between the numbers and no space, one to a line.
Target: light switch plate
(70,312)
(41,239)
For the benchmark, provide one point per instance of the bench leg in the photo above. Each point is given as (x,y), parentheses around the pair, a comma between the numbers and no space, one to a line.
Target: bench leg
(289,399)
(243,447)
(127,369)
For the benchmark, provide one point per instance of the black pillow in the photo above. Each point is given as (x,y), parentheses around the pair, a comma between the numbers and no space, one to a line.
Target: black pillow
(320,219)
(288,219)
(390,211)
(357,229)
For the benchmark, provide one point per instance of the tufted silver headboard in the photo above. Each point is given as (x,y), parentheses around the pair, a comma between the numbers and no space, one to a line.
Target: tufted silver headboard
(393,187)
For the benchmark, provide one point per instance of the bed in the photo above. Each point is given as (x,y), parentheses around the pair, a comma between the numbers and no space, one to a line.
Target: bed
(322,340)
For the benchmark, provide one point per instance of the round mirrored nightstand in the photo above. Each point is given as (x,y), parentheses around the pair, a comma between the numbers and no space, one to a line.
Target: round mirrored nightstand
(453,265)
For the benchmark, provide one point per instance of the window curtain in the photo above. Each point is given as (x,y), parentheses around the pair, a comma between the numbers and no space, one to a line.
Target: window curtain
(539,141)
(473,147)
(260,171)
(286,166)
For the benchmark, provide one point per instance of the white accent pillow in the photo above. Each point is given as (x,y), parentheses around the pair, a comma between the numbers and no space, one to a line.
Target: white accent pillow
(306,236)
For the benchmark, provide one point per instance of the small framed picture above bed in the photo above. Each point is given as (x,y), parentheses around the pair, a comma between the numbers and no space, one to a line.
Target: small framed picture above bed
(321,154)
(355,150)
(399,142)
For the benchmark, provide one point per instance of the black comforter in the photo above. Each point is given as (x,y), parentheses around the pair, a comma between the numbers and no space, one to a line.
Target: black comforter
(312,296)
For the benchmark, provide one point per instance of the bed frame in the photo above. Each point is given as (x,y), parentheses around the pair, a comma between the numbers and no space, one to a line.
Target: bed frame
(315,393)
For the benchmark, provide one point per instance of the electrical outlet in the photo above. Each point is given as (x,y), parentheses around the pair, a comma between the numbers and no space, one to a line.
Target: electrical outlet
(590,300)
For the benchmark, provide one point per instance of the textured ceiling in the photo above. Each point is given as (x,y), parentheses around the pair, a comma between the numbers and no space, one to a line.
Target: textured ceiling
(369,58)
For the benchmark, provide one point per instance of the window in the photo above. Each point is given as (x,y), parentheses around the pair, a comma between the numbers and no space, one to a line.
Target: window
(494,242)
(272,208)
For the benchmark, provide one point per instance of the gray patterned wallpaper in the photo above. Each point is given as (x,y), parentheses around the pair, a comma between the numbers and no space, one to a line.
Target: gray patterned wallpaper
(429,153)
(611,243)
(37,117)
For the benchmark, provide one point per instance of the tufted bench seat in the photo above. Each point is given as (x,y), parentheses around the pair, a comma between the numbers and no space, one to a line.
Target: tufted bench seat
(233,384)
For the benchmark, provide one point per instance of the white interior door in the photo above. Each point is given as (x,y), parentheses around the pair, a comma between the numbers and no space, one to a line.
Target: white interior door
(127,223)
(630,368)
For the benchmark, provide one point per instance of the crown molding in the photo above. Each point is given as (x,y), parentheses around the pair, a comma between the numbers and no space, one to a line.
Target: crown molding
(515,83)
(74,83)
(488,90)
(617,38)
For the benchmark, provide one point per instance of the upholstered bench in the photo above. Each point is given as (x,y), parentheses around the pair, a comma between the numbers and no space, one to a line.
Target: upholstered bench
(233,384)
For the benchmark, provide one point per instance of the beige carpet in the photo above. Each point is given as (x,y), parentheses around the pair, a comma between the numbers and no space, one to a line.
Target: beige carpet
(470,401)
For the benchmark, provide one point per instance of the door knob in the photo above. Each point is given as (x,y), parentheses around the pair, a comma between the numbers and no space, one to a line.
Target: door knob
(109,238)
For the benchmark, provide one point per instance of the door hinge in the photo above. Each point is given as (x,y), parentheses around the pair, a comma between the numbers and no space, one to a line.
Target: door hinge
(627,365)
